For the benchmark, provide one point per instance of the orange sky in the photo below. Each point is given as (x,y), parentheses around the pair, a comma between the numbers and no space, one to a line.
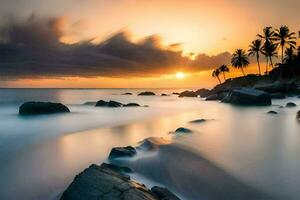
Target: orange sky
(201,26)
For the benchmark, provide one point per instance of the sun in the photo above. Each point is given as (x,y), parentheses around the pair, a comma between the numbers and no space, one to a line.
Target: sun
(180,75)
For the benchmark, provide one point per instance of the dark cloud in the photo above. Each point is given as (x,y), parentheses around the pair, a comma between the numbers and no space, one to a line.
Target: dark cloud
(32,48)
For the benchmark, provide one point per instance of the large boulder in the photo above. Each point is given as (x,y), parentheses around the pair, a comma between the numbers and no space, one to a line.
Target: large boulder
(147,93)
(248,96)
(118,152)
(104,183)
(188,93)
(278,87)
(37,108)
(203,92)
(291,105)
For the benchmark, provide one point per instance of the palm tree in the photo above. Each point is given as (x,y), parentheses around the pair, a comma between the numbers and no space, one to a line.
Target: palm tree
(216,74)
(284,37)
(240,60)
(254,50)
(270,50)
(223,69)
(289,55)
(268,38)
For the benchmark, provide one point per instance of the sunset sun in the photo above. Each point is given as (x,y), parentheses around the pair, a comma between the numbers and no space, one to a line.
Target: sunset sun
(180,75)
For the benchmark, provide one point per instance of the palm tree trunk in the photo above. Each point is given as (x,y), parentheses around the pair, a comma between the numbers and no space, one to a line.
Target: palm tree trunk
(243,71)
(219,80)
(271,62)
(267,65)
(257,58)
(282,54)
(224,76)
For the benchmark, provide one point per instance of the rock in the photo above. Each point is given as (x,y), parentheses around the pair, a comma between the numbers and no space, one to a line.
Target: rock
(127,93)
(198,121)
(37,108)
(101,103)
(183,130)
(212,97)
(163,193)
(103,183)
(290,105)
(248,96)
(278,87)
(117,152)
(298,115)
(114,104)
(277,96)
(175,93)
(188,93)
(298,97)
(152,143)
(203,92)
(163,94)
(146,93)
(132,105)
(272,112)
(90,103)
(120,169)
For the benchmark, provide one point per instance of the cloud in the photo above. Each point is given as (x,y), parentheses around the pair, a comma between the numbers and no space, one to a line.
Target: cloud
(32,48)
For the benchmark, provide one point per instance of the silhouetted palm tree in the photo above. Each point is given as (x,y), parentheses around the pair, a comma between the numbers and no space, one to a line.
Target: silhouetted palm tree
(223,69)
(240,60)
(267,37)
(216,74)
(254,50)
(289,55)
(270,50)
(284,37)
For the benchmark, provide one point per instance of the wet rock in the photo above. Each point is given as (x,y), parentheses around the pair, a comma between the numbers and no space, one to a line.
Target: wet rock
(290,105)
(152,143)
(117,152)
(277,96)
(248,96)
(272,112)
(146,93)
(163,94)
(163,193)
(114,104)
(213,97)
(198,121)
(132,105)
(127,93)
(103,183)
(203,92)
(188,93)
(101,103)
(120,169)
(183,130)
(37,108)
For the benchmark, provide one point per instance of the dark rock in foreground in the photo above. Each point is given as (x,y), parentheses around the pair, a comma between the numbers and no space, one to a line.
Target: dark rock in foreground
(290,105)
(37,108)
(188,93)
(127,93)
(146,93)
(117,152)
(248,96)
(163,193)
(272,112)
(277,96)
(183,130)
(103,183)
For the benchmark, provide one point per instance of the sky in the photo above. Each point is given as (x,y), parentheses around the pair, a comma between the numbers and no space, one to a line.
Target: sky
(129,43)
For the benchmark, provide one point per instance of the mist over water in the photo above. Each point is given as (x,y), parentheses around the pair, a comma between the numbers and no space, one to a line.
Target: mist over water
(40,155)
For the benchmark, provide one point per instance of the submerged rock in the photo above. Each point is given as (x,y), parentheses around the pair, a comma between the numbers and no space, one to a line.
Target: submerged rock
(198,121)
(103,183)
(248,96)
(290,105)
(188,93)
(272,112)
(183,130)
(37,108)
(132,105)
(127,93)
(118,152)
(152,143)
(147,93)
